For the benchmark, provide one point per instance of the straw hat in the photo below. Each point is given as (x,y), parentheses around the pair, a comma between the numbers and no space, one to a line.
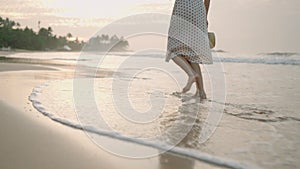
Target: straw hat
(212,39)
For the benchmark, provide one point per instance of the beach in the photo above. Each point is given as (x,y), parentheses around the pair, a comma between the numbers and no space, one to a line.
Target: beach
(31,140)
(259,126)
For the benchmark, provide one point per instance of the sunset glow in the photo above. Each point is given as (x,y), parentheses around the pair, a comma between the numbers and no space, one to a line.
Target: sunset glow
(251,24)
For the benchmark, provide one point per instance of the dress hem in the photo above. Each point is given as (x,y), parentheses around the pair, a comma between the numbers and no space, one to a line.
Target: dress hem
(172,55)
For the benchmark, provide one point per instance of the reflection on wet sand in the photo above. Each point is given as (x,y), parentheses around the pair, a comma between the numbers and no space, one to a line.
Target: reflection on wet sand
(170,161)
(183,132)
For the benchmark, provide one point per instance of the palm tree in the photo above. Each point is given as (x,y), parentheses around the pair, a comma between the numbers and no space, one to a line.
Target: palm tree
(1,22)
(69,35)
(50,30)
(114,39)
(6,23)
(39,25)
(102,38)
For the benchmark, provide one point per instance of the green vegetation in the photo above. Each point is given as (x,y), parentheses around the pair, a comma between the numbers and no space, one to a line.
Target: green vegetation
(15,37)
(11,35)
(106,43)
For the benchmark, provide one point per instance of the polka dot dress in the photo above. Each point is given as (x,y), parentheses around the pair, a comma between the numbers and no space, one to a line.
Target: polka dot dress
(187,34)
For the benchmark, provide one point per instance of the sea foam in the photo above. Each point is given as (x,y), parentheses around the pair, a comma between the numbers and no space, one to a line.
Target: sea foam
(186,152)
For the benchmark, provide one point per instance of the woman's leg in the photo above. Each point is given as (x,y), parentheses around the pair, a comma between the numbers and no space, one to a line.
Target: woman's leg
(200,87)
(184,64)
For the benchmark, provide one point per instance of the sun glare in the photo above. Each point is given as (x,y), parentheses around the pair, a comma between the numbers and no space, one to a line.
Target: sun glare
(91,8)
(81,9)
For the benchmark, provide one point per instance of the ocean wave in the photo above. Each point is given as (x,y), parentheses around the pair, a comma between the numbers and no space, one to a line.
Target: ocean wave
(70,59)
(224,56)
(187,152)
(221,58)
(273,58)
(272,61)
(283,54)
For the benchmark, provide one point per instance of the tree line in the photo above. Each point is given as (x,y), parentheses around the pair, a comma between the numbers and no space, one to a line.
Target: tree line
(12,35)
(106,43)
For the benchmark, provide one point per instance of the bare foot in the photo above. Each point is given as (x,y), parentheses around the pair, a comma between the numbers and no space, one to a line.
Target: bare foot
(200,94)
(190,82)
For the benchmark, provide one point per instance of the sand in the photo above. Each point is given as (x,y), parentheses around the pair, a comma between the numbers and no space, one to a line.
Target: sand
(260,125)
(30,140)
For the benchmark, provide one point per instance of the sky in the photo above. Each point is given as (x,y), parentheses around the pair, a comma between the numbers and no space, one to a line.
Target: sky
(241,26)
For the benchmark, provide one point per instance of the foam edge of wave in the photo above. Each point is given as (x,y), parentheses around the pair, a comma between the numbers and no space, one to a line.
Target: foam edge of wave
(193,154)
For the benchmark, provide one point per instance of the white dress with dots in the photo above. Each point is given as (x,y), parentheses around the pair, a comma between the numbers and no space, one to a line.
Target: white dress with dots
(187,34)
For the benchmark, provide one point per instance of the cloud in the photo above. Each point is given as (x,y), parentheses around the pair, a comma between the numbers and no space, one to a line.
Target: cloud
(22,9)
(161,7)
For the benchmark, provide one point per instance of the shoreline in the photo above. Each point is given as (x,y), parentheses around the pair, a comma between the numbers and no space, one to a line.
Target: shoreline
(32,140)
(253,129)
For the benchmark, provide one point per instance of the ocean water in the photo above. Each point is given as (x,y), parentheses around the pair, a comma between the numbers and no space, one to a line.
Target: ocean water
(283,58)
(137,103)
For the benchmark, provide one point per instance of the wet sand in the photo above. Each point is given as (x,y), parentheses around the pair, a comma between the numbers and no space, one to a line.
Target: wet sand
(260,124)
(30,140)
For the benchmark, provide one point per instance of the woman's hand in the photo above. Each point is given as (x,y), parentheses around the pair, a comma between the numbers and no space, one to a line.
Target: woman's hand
(206,4)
